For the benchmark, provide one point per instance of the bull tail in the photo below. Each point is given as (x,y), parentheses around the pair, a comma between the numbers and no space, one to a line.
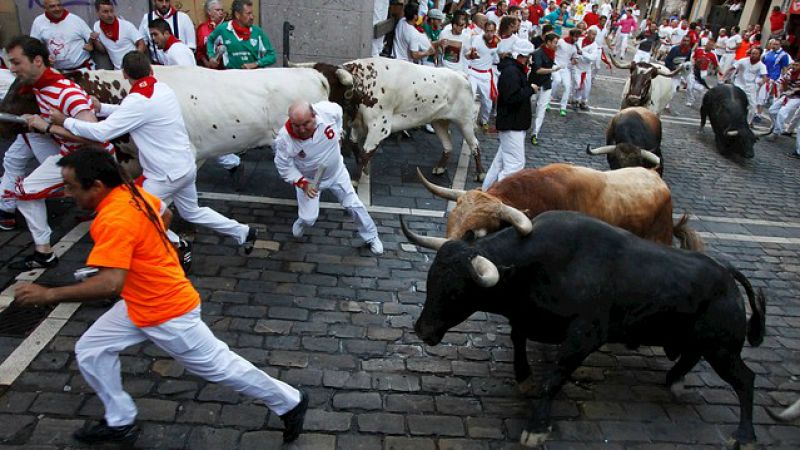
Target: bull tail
(757,325)
(689,238)
(787,415)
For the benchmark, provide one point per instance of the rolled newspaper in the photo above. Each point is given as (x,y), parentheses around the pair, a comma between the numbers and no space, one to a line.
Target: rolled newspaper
(5,117)
(318,176)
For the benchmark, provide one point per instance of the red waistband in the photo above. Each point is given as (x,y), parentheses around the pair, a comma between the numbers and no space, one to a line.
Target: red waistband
(481,71)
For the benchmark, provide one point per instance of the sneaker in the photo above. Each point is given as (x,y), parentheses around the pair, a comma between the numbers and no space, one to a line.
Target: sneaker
(36,261)
(689,104)
(104,433)
(297,229)
(293,420)
(563,113)
(376,246)
(250,241)
(185,254)
(8,221)
(429,128)
(534,139)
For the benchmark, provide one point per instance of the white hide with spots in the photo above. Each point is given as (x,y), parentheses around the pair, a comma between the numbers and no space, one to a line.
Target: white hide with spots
(661,90)
(226,111)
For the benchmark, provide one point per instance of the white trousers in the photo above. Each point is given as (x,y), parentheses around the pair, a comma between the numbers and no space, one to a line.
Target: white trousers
(563,79)
(187,339)
(481,87)
(726,62)
(542,100)
(45,181)
(229,161)
(510,157)
(24,148)
(694,86)
(183,192)
(641,56)
(751,89)
(582,93)
(782,113)
(622,44)
(339,184)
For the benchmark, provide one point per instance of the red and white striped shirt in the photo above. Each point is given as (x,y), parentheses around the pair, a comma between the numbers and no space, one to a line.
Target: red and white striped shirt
(53,91)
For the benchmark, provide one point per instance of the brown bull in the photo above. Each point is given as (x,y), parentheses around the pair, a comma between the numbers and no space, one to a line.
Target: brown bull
(633,198)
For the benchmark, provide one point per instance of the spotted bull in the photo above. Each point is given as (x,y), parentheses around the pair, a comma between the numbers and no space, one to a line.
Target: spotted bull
(649,85)
(633,139)
(726,107)
(225,110)
(387,95)
(635,199)
(581,283)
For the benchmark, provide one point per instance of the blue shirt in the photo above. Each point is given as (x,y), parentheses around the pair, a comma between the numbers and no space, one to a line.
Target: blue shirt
(552,17)
(775,62)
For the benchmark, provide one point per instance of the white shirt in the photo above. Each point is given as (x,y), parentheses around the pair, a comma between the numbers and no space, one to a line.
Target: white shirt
(565,52)
(454,56)
(185,31)
(588,57)
(405,35)
(422,44)
(722,43)
(64,39)
(179,54)
(665,33)
(525,28)
(507,44)
(733,42)
(604,10)
(748,74)
(486,56)
(156,126)
(298,158)
(677,35)
(128,37)
(492,15)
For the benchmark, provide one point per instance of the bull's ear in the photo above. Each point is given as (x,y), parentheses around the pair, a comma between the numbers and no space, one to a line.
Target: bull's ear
(653,73)
(633,68)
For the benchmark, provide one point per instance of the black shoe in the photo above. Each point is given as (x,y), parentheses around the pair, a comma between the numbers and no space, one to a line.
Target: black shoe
(793,155)
(36,261)
(185,255)
(250,241)
(104,433)
(8,221)
(232,171)
(293,420)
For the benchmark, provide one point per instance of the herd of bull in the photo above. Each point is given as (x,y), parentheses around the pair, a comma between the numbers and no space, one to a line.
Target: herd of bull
(570,255)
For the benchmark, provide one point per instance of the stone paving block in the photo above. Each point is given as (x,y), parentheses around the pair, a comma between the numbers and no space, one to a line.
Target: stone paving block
(16,402)
(319,420)
(458,406)
(280,327)
(216,393)
(462,444)
(384,423)
(485,428)
(163,436)
(435,425)
(197,412)
(405,443)
(55,403)
(243,416)
(349,380)
(167,368)
(14,425)
(409,403)
(396,382)
(311,441)
(213,438)
(156,409)
(358,442)
(49,431)
(357,400)
(260,440)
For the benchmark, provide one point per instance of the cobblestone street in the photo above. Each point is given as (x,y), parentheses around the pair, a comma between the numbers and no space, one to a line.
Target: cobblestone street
(322,312)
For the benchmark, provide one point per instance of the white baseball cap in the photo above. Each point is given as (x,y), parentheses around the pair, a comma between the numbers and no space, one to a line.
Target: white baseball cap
(521,47)
(435,14)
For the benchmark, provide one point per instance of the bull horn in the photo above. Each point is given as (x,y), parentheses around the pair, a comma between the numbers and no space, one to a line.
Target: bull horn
(614,61)
(431,242)
(732,133)
(485,272)
(787,415)
(765,132)
(650,157)
(668,74)
(440,191)
(345,77)
(604,150)
(516,218)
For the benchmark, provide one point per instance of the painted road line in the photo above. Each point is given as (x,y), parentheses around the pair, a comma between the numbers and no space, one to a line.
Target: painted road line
(749,238)
(24,354)
(460,178)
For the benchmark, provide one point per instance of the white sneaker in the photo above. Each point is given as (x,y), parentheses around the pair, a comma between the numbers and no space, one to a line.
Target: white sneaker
(297,229)
(429,128)
(376,246)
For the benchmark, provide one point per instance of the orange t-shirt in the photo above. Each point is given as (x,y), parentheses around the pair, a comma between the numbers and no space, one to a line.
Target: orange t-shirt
(156,289)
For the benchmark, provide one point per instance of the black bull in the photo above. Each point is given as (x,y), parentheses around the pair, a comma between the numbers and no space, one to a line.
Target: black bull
(580,283)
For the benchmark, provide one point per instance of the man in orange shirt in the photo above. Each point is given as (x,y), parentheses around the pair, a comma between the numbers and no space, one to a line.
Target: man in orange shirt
(137,262)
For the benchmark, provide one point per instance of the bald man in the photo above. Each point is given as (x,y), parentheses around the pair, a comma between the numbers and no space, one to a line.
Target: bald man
(307,155)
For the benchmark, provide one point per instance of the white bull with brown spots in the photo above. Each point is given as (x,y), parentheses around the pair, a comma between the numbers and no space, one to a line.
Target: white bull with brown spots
(382,96)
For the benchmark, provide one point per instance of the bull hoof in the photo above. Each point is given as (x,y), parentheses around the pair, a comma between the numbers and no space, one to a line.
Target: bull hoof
(733,444)
(530,439)
(528,386)
(480,177)
(439,170)
(354,183)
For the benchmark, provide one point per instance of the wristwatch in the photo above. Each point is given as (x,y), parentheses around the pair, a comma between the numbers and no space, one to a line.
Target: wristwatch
(47,130)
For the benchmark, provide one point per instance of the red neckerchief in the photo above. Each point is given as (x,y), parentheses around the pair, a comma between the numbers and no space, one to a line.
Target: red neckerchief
(506,36)
(550,52)
(587,41)
(569,40)
(111,30)
(292,133)
(682,49)
(525,68)
(48,78)
(56,19)
(172,11)
(242,33)
(170,41)
(493,43)
(144,86)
